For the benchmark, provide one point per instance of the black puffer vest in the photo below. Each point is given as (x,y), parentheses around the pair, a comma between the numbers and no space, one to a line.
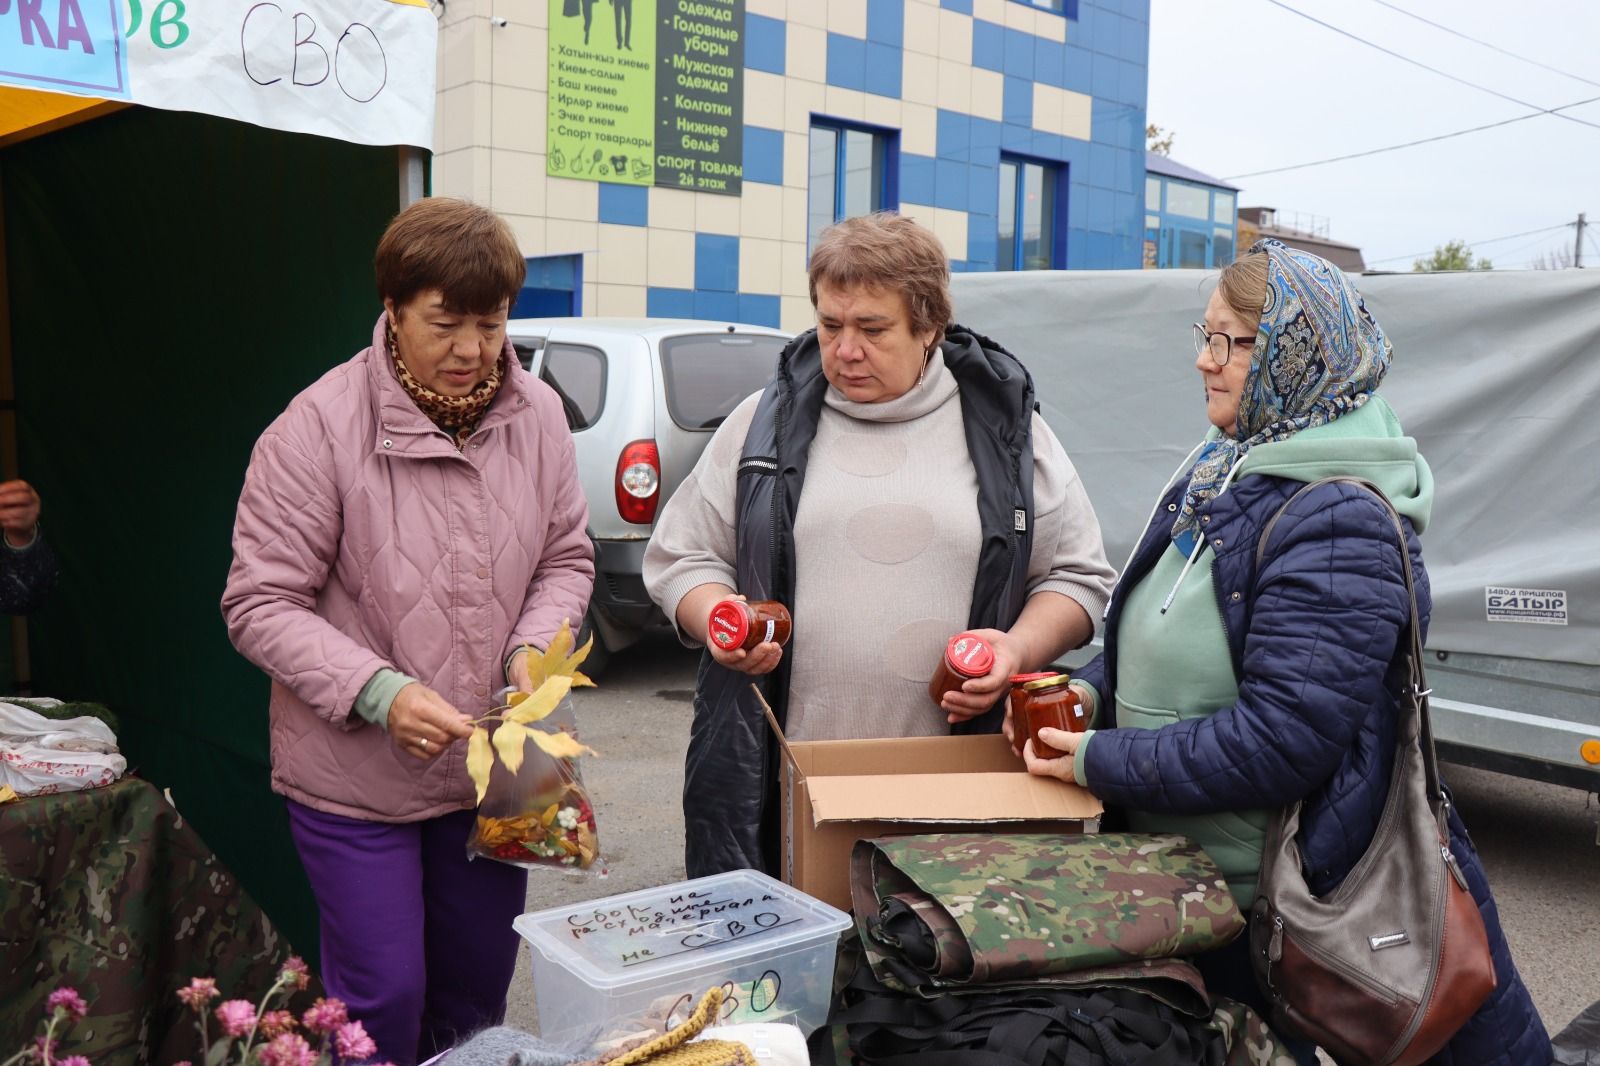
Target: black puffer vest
(730,774)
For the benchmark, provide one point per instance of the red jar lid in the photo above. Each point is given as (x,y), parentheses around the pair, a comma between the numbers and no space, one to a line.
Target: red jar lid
(1018,679)
(729,624)
(969,655)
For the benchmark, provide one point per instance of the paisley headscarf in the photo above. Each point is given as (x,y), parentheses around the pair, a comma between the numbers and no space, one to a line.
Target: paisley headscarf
(1319,355)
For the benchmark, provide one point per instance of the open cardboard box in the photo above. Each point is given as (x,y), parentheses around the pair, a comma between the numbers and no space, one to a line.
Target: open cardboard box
(835,792)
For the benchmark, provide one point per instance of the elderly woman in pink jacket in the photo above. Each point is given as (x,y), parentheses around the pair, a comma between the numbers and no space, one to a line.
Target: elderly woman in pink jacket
(408,524)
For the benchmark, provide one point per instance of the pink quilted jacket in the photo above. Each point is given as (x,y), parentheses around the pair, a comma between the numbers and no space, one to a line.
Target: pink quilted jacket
(365,540)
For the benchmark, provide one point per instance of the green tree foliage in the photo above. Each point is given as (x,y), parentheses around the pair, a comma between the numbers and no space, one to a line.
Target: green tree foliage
(1453,256)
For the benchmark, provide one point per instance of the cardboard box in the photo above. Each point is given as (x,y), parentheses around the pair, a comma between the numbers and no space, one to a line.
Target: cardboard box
(835,792)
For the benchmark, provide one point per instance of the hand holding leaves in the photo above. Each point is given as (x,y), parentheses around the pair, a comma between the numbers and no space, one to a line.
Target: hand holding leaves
(551,675)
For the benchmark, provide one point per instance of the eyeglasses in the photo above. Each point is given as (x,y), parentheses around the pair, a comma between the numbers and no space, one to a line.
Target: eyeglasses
(1219,344)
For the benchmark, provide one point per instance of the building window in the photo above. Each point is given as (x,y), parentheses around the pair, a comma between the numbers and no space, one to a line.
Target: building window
(1190,201)
(1027,223)
(1068,8)
(1222,208)
(1152,194)
(1222,247)
(851,173)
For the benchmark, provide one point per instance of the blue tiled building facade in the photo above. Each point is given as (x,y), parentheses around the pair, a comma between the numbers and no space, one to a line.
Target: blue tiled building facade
(1013,129)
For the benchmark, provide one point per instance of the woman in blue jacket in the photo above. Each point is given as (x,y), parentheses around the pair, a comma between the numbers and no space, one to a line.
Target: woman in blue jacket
(1225,693)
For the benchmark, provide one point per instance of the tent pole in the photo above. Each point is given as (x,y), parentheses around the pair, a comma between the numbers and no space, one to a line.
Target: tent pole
(413,173)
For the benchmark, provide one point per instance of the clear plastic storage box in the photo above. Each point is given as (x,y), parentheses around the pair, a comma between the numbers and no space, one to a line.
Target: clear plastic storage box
(639,962)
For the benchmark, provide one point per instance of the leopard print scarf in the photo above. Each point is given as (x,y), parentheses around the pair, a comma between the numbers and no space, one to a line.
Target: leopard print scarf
(458,416)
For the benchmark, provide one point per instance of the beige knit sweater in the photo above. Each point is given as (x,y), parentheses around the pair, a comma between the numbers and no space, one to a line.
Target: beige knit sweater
(886,546)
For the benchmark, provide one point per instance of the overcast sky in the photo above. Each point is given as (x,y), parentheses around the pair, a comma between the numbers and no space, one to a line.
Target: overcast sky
(1249,86)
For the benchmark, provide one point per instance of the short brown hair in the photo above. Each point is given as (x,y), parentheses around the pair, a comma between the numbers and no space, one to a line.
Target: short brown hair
(465,251)
(887,251)
(1243,285)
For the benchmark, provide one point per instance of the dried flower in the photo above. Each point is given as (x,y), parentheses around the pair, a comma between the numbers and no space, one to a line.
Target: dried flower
(43,1050)
(74,1060)
(295,972)
(275,1023)
(324,1016)
(288,1049)
(352,1042)
(201,990)
(237,1016)
(67,999)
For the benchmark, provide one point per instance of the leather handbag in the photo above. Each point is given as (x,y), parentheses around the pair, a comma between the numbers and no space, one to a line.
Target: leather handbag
(1387,967)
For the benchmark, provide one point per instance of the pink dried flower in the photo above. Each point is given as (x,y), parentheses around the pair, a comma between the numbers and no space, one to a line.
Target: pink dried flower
(237,1016)
(43,1051)
(275,1023)
(352,1042)
(201,990)
(67,999)
(295,972)
(288,1049)
(75,1060)
(325,1015)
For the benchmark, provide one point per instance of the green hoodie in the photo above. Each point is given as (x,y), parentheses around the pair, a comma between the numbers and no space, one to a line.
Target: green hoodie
(1176,665)
(1366,443)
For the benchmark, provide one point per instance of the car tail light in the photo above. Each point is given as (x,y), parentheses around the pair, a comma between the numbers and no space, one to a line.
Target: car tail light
(639,482)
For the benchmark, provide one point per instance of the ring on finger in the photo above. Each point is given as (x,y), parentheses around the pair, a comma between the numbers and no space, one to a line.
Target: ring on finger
(423,743)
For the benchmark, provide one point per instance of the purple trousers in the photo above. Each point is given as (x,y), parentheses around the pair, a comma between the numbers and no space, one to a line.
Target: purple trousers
(416,940)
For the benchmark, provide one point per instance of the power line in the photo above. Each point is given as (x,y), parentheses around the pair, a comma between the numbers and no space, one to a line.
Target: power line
(1474,244)
(1486,44)
(1413,144)
(1424,66)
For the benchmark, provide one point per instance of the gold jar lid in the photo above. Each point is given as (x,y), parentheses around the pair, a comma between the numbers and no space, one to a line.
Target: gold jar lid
(1044,684)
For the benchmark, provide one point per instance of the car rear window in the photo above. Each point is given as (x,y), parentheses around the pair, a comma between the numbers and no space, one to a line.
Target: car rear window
(707,374)
(578,374)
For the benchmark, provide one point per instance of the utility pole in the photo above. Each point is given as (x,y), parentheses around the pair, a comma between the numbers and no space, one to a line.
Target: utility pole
(1577,244)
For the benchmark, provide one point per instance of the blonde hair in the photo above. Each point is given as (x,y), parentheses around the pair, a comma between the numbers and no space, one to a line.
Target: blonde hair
(1243,285)
(887,251)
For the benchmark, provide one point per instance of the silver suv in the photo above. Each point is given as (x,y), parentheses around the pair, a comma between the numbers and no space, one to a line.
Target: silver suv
(642,398)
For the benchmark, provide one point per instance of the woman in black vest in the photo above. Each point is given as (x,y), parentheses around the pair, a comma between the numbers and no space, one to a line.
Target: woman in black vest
(893,487)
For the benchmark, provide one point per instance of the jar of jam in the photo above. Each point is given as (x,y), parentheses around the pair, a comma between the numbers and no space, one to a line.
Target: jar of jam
(1019,725)
(744,624)
(966,656)
(1048,703)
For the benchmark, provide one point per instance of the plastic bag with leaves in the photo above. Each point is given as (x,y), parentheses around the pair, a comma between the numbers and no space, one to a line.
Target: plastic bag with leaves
(533,809)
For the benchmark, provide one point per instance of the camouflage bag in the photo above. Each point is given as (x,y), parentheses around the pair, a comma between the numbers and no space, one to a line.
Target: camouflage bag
(953,909)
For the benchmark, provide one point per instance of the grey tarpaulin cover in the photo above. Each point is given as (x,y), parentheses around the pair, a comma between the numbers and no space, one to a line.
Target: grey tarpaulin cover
(1496,374)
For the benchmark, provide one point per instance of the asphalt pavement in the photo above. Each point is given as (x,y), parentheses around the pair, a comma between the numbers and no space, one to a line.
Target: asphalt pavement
(1539,842)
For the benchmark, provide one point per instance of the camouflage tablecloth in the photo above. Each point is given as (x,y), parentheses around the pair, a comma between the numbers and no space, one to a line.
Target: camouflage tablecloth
(983,908)
(111,892)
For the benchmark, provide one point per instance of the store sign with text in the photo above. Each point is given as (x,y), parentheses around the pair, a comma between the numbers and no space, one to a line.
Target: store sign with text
(648,92)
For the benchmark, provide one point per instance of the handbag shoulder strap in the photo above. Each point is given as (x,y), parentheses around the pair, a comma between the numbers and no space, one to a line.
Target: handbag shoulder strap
(1414,700)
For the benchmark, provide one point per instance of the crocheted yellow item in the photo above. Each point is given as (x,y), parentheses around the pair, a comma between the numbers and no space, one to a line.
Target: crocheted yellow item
(674,1048)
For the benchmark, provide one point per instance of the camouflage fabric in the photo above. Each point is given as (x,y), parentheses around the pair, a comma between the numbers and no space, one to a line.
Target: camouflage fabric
(109,891)
(1245,1034)
(970,908)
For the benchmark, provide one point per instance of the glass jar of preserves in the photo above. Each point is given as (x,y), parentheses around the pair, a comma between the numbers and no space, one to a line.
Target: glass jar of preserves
(736,624)
(966,656)
(1049,704)
(1019,725)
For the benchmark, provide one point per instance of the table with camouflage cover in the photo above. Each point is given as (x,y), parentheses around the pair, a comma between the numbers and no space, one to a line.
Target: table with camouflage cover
(110,891)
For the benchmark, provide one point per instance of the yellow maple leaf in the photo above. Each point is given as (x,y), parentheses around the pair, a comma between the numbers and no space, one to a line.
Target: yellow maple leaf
(480,760)
(559,660)
(559,745)
(537,706)
(508,741)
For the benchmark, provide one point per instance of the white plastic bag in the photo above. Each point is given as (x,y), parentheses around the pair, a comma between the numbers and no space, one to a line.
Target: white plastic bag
(40,755)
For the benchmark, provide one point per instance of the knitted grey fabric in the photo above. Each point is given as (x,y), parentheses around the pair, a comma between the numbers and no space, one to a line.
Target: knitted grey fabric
(505,1046)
